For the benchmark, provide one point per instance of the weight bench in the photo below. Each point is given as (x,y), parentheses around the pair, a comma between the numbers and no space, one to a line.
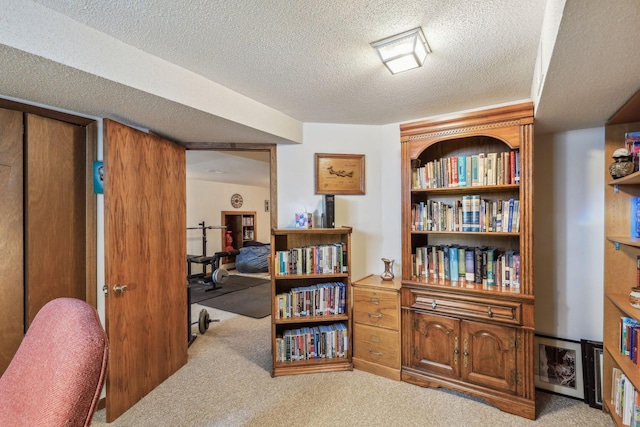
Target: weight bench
(217,276)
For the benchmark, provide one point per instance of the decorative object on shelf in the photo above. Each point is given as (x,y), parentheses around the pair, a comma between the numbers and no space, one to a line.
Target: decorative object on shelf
(236,201)
(339,173)
(634,297)
(387,274)
(304,220)
(622,164)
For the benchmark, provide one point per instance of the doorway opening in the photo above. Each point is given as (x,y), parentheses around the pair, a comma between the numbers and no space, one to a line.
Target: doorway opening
(231,203)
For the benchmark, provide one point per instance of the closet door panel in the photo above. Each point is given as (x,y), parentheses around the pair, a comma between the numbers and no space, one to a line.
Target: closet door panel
(55,218)
(11,243)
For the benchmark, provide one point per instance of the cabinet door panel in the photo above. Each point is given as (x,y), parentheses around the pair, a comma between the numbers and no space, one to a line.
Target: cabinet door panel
(489,356)
(435,346)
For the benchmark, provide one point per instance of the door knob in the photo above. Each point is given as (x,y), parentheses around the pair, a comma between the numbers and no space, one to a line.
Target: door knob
(119,288)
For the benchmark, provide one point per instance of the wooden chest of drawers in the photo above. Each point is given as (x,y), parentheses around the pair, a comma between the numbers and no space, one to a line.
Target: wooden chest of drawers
(376,328)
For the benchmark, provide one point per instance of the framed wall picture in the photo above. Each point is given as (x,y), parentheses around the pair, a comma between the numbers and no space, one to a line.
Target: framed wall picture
(558,366)
(339,173)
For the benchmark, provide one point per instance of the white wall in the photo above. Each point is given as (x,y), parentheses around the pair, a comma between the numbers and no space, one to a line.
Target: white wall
(375,216)
(568,217)
(205,202)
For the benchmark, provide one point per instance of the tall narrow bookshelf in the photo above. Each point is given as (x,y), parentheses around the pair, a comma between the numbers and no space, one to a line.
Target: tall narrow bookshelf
(621,252)
(242,225)
(473,332)
(310,294)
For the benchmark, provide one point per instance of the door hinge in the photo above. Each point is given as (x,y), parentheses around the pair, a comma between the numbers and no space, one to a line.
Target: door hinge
(515,377)
(456,351)
(466,353)
(515,344)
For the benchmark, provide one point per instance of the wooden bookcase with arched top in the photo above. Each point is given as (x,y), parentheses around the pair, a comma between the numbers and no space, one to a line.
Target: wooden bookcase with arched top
(470,334)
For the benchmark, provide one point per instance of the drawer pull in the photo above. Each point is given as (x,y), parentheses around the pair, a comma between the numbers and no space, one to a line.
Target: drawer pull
(377,316)
(489,312)
(375,301)
(376,353)
(433,305)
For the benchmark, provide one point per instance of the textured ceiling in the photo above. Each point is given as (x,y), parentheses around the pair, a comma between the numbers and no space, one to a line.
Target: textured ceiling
(254,71)
(312,60)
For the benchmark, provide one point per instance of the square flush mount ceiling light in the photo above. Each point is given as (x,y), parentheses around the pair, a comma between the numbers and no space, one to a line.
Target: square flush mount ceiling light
(403,51)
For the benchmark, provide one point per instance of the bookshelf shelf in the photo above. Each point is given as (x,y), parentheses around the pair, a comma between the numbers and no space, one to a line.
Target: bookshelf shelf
(633,179)
(625,240)
(311,343)
(311,319)
(620,258)
(467,287)
(622,302)
(470,233)
(310,276)
(471,189)
(480,320)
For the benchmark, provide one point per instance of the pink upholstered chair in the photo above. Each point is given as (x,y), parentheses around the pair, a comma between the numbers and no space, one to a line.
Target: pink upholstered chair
(56,376)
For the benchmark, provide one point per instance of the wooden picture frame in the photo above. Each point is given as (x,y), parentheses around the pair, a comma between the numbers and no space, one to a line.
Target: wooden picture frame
(558,366)
(339,173)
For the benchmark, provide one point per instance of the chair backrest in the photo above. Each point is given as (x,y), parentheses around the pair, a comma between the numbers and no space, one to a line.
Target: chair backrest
(57,374)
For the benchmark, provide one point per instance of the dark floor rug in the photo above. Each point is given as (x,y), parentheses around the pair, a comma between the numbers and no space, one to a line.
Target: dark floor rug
(252,302)
(236,283)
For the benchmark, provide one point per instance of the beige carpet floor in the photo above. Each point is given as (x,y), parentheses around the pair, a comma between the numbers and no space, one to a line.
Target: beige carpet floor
(227,382)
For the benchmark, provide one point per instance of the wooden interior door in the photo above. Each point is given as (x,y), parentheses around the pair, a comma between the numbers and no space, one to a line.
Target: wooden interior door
(55,212)
(145,235)
(12,241)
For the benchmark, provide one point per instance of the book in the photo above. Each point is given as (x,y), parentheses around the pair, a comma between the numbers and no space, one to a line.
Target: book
(462,267)
(475,213)
(634,204)
(632,143)
(462,171)
(474,171)
(469,257)
(490,260)
(453,263)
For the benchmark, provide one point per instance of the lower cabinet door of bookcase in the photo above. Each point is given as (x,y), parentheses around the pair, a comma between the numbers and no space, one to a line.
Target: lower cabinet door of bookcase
(435,344)
(489,356)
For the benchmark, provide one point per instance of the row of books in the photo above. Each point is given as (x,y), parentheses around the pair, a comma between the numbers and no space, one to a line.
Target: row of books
(317,259)
(629,338)
(323,299)
(481,265)
(625,399)
(468,171)
(469,214)
(318,342)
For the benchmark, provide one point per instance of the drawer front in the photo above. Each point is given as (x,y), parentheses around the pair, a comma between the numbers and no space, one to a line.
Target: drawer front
(472,308)
(377,345)
(376,308)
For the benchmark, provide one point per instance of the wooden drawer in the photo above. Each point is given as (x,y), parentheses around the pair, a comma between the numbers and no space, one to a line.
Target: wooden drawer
(376,308)
(508,312)
(377,345)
